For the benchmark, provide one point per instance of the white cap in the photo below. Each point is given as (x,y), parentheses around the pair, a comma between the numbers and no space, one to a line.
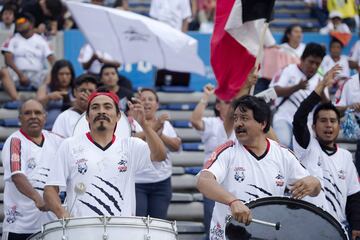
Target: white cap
(335,14)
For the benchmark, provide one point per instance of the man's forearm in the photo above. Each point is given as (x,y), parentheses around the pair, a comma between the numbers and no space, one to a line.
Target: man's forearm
(23,185)
(52,201)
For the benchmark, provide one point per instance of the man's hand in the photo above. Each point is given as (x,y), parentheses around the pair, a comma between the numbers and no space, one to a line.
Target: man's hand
(241,212)
(307,186)
(159,123)
(330,75)
(137,110)
(303,84)
(57,95)
(40,204)
(355,106)
(355,234)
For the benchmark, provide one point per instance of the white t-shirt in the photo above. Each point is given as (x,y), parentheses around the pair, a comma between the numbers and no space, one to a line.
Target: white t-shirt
(86,53)
(249,178)
(355,52)
(342,27)
(171,12)
(65,123)
(214,134)
(351,92)
(336,172)
(327,63)
(107,174)
(29,54)
(21,155)
(296,52)
(290,76)
(163,169)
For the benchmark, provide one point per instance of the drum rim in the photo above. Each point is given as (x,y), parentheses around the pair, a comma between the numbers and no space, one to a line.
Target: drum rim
(306,205)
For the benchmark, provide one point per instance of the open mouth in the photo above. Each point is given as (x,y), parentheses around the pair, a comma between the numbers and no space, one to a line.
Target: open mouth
(328,133)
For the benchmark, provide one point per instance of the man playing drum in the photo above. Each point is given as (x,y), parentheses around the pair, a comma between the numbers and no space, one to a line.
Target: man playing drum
(25,157)
(251,167)
(331,164)
(97,168)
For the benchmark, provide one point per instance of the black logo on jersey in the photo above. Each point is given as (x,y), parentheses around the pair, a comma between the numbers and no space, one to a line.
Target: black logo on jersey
(279,180)
(239,174)
(31,164)
(122,166)
(11,214)
(82,166)
(217,232)
(342,174)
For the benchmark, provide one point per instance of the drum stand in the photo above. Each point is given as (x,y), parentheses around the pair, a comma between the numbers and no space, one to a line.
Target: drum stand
(64,222)
(104,221)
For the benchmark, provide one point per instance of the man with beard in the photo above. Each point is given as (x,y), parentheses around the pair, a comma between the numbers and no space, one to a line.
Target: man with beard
(250,167)
(25,157)
(65,123)
(324,159)
(97,168)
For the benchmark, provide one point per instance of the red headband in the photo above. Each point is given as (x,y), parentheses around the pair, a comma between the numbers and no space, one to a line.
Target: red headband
(111,95)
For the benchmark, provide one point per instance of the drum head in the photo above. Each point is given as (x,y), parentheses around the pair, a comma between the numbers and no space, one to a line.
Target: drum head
(298,219)
(123,128)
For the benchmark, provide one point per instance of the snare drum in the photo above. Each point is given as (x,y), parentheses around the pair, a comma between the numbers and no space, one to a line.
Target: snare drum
(298,220)
(123,128)
(108,228)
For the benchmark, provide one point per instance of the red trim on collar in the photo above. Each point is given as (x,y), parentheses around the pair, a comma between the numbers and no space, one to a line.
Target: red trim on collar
(88,135)
(29,138)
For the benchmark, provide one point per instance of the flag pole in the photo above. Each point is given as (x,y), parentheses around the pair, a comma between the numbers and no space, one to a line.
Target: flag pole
(260,53)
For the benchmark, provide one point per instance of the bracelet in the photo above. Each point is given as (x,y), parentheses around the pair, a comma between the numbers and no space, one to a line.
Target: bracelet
(235,200)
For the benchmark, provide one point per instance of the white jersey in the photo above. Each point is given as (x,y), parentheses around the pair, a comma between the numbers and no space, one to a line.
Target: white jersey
(296,52)
(29,54)
(108,174)
(86,53)
(336,172)
(21,155)
(172,12)
(355,53)
(163,169)
(327,63)
(65,123)
(249,177)
(213,135)
(351,92)
(290,76)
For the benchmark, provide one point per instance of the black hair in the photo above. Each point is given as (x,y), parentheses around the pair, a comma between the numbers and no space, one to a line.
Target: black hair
(55,7)
(325,107)
(335,40)
(314,50)
(107,66)
(261,110)
(85,78)
(104,89)
(150,90)
(9,6)
(59,64)
(288,30)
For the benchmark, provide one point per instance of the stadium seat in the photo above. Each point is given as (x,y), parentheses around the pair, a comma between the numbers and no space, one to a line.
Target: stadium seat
(11,122)
(193,147)
(181,124)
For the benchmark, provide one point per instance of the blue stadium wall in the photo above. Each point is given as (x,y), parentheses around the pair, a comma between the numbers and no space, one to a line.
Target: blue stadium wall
(142,74)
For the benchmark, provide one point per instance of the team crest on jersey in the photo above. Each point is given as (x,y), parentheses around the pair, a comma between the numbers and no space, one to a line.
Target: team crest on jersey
(31,164)
(279,180)
(82,166)
(11,214)
(239,174)
(342,174)
(217,233)
(122,166)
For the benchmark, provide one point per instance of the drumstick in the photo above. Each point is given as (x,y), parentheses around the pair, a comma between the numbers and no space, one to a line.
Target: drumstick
(80,189)
(270,224)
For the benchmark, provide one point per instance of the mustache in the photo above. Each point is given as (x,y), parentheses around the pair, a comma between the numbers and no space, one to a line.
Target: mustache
(101,117)
(239,129)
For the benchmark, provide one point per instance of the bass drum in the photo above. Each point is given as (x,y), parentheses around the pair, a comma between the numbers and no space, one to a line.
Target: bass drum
(298,220)
(123,128)
(108,228)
